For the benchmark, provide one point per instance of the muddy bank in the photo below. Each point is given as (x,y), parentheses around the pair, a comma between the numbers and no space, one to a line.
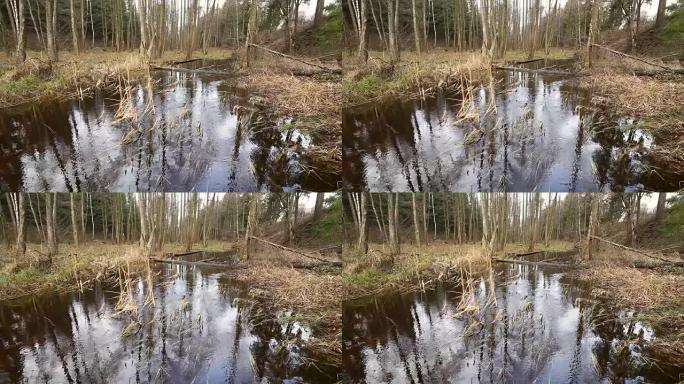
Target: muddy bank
(184,323)
(518,323)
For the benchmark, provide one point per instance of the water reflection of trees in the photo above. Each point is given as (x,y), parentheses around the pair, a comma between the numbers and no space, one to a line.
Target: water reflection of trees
(196,329)
(543,326)
(189,139)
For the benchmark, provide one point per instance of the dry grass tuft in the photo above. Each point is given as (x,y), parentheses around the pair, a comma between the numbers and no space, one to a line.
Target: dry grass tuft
(638,96)
(295,96)
(640,289)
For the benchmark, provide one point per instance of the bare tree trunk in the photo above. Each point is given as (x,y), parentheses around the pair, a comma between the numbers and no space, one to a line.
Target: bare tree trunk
(50,223)
(593,225)
(251,224)
(416,226)
(660,208)
(392,224)
(318,16)
(74,221)
(74,28)
(534,30)
(416,36)
(19,219)
(392,27)
(318,207)
(251,30)
(144,228)
(362,244)
(660,16)
(18,21)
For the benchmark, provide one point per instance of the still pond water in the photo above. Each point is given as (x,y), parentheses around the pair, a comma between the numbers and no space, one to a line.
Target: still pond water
(201,329)
(177,132)
(543,328)
(534,133)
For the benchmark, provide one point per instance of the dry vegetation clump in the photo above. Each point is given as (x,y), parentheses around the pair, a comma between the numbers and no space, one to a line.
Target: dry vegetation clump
(640,289)
(314,297)
(418,76)
(73,268)
(292,95)
(415,268)
(657,295)
(638,96)
(73,75)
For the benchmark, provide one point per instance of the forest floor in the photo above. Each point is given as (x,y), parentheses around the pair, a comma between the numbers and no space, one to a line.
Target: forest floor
(418,267)
(655,294)
(415,76)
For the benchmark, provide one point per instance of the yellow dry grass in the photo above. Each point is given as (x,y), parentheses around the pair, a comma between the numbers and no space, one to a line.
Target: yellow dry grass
(640,289)
(638,96)
(295,96)
(74,267)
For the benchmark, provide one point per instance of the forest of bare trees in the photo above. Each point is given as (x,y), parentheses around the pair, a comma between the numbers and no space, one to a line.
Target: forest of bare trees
(495,219)
(152,26)
(492,26)
(149,219)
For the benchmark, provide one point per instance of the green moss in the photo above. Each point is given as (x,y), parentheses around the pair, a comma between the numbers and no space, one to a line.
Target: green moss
(369,279)
(24,276)
(26,84)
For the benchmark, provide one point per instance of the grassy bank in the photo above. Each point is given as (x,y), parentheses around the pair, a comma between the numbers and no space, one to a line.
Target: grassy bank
(414,76)
(655,101)
(75,75)
(656,295)
(417,267)
(74,267)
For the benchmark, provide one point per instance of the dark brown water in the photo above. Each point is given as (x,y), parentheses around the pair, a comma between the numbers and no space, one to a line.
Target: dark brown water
(545,135)
(202,134)
(201,328)
(542,328)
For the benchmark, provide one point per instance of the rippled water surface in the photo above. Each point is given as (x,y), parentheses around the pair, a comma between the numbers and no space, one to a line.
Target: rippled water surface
(543,327)
(178,131)
(201,328)
(534,132)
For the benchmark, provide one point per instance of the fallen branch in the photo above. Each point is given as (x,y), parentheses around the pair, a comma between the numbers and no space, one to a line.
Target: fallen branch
(539,263)
(524,254)
(631,249)
(540,71)
(184,61)
(333,70)
(335,263)
(527,61)
(638,59)
(199,71)
(184,254)
(199,263)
